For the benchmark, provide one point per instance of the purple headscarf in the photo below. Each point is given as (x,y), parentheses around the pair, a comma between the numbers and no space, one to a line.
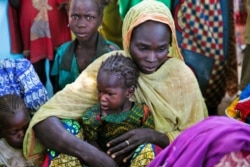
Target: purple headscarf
(205,143)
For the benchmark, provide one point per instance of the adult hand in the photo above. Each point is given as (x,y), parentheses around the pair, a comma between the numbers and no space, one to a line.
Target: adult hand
(126,144)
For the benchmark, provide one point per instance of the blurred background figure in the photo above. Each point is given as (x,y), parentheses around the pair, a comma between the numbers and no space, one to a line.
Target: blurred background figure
(44,27)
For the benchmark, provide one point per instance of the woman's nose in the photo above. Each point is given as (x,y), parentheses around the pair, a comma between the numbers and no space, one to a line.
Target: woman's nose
(151,57)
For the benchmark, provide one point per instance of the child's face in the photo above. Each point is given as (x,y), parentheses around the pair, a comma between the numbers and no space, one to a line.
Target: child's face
(13,127)
(84,19)
(149,45)
(113,98)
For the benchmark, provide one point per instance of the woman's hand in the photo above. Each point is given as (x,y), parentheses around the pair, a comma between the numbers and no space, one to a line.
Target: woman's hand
(126,144)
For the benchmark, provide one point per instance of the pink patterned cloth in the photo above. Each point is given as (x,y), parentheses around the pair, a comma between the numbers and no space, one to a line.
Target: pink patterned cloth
(236,159)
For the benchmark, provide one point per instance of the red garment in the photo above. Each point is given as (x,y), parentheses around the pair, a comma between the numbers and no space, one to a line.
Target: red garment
(15,34)
(244,108)
(44,27)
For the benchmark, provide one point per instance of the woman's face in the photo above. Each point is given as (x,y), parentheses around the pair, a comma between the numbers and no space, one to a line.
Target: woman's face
(149,45)
(84,19)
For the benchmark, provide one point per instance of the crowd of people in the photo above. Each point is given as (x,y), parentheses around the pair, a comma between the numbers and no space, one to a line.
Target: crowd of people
(133,84)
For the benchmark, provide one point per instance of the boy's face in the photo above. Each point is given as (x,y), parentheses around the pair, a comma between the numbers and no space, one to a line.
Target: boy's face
(112,96)
(84,19)
(13,127)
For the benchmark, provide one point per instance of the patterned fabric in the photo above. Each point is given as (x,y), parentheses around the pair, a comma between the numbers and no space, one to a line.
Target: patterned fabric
(105,128)
(235,159)
(19,77)
(204,29)
(54,159)
(144,154)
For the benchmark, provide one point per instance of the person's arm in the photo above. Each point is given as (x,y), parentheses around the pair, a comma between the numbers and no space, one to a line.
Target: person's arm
(69,144)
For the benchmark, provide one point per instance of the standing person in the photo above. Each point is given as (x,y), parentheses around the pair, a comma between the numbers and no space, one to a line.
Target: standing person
(43,28)
(245,71)
(14,120)
(165,84)
(205,33)
(85,16)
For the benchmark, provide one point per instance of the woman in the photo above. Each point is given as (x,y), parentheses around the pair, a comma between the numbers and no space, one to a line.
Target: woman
(165,84)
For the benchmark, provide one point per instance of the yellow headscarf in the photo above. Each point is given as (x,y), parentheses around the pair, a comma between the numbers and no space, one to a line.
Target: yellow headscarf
(172,92)
(145,11)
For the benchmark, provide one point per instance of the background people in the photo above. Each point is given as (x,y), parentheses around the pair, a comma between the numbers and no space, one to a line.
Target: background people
(205,33)
(149,39)
(85,16)
(43,29)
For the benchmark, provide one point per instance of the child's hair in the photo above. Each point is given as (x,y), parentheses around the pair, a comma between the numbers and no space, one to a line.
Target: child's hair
(100,3)
(123,67)
(10,103)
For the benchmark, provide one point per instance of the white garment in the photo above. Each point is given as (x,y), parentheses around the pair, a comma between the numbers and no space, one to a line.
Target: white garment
(11,157)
